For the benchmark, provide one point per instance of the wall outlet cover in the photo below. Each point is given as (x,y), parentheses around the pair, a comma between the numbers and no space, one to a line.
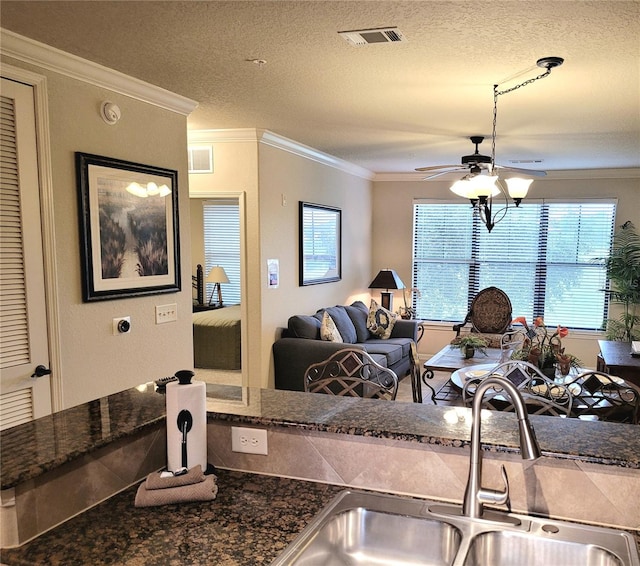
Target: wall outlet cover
(249,440)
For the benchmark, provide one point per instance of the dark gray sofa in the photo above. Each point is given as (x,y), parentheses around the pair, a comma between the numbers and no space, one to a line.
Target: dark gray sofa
(301,345)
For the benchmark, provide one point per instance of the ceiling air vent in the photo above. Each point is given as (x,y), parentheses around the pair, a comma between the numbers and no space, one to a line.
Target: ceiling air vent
(377,35)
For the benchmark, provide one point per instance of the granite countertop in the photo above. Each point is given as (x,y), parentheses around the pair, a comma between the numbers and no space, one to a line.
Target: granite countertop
(33,448)
(250,522)
(589,441)
(36,447)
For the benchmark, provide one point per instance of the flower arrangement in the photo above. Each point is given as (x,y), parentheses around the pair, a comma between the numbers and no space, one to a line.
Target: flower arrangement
(543,348)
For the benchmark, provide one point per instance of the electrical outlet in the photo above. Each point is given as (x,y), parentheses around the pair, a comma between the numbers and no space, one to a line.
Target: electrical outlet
(249,440)
(166,313)
(121,325)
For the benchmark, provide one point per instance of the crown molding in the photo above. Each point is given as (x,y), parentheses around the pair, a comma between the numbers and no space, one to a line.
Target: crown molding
(44,56)
(566,174)
(271,139)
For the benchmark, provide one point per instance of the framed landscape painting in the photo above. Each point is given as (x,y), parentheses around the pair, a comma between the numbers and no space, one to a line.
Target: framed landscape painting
(128,228)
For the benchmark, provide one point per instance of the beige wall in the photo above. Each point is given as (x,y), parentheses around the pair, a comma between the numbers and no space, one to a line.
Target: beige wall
(393,205)
(274,180)
(296,178)
(94,362)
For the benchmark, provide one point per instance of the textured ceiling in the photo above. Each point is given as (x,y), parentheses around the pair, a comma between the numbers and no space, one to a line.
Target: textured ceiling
(385,107)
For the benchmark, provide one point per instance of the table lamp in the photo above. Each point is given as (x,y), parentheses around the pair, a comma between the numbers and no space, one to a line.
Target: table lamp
(387,279)
(216,276)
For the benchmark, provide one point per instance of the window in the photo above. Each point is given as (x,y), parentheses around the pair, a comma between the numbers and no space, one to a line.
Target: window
(542,255)
(222,245)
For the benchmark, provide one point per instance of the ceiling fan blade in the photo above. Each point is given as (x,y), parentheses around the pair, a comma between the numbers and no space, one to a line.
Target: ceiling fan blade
(435,167)
(532,172)
(434,175)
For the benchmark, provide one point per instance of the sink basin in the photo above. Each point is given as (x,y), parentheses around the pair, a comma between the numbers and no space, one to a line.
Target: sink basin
(361,528)
(502,548)
(360,536)
(369,528)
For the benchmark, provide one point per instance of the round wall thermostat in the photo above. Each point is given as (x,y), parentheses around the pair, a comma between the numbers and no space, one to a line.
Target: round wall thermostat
(110,112)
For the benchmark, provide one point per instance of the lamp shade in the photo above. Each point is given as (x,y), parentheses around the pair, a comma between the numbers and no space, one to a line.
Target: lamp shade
(518,187)
(477,186)
(217,275)
(387,279)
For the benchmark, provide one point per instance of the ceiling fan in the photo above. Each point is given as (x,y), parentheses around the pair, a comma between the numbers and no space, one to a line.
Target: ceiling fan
(476,163)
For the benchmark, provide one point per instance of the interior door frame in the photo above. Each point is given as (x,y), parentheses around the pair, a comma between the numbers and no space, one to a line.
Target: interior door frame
(39,85)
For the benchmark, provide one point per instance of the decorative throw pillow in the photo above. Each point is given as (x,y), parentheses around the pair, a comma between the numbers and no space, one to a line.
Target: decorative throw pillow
(328,330)
(359,313)
(381,321)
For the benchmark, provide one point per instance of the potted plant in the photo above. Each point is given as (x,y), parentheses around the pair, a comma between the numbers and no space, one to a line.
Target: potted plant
(468,345)
(623,272)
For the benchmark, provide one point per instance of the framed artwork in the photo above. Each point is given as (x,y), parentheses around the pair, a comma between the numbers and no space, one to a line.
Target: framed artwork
(320,244)
(128,228)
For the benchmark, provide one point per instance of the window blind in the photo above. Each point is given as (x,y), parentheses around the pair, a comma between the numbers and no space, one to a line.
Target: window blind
(545,255)
(222,245)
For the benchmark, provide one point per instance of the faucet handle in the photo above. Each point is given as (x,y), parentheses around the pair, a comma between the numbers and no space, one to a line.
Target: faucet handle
(495,496)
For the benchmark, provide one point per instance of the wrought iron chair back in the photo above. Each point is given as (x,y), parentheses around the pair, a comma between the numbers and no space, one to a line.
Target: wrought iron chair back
(542,396)
(605,397)
(351,372)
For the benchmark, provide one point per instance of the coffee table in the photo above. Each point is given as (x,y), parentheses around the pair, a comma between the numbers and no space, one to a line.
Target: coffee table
(450,359)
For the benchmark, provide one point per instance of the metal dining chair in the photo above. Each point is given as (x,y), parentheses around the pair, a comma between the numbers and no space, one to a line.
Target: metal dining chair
(604,397)
(351,372)
(542,396)
(489,313)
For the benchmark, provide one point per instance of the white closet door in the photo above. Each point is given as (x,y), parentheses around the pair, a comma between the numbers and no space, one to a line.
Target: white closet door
(23,324)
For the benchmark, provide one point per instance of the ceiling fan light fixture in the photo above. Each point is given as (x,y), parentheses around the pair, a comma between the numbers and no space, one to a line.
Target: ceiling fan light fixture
(518,188)
(475,187)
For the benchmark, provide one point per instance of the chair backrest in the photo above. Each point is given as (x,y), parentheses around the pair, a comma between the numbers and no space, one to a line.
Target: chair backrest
(490,312)
(541,395)
(605,397)
(351,372)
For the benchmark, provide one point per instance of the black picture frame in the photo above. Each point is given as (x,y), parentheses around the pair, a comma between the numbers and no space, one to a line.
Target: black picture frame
(129,230)
(320,244)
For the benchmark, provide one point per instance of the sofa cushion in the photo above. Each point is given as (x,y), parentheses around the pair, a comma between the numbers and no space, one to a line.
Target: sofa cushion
(328,330)
(380,321)
(303,326)
(342,321)
(404,344)
(392,352)
(358,313)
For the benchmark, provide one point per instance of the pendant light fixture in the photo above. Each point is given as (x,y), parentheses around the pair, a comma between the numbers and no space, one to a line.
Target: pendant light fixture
(480,189)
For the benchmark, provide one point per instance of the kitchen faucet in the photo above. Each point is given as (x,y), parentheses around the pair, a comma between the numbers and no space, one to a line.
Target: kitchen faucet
(475,495)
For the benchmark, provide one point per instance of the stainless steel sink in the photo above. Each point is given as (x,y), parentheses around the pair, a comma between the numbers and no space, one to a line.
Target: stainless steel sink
(365,528)
(369,528)
(505,548)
